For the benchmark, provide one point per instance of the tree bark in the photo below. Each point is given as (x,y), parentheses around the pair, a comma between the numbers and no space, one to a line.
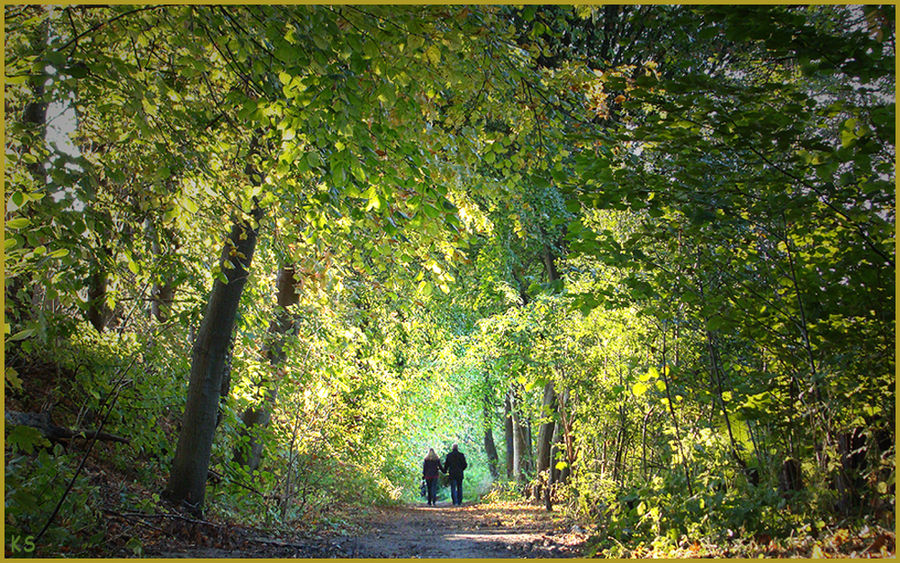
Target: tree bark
(187,480)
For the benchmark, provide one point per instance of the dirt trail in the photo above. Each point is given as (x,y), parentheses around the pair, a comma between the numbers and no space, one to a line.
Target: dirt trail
(483,531)
(469,531)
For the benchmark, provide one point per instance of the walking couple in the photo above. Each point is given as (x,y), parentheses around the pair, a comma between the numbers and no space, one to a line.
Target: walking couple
(453,466)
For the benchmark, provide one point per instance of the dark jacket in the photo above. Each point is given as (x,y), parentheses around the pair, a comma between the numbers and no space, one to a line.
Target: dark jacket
(455,464)
(430,468)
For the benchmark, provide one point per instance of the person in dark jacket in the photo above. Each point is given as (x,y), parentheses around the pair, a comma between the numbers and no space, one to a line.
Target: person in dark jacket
(430,470)
(454,466)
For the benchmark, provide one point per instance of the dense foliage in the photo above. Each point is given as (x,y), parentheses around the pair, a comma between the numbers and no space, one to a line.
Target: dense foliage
(638,261)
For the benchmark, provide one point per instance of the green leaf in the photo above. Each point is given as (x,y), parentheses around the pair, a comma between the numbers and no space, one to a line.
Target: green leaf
(18,223)
(431,211)
(25,438)
(321,41)
(314,159)
(415,41)
(22,334)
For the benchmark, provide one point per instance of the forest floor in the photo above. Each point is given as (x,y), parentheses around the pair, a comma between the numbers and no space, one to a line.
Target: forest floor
(410,531)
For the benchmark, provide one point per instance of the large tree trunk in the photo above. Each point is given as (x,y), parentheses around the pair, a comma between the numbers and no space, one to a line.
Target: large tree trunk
(257,417)
(187,480)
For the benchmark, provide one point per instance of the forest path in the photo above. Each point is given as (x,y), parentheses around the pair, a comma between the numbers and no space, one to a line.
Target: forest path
(505,529)
(480,531)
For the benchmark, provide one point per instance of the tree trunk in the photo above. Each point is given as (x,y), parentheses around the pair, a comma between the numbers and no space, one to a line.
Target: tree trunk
(258,416)
(529,444)
(187,480)
(490,449)
(508,435)
(565,430)
(554,475)
(545,434)
(520,448)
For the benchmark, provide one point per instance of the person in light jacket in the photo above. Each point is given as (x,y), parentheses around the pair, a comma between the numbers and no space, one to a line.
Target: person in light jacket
(454,466)
(431,468)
